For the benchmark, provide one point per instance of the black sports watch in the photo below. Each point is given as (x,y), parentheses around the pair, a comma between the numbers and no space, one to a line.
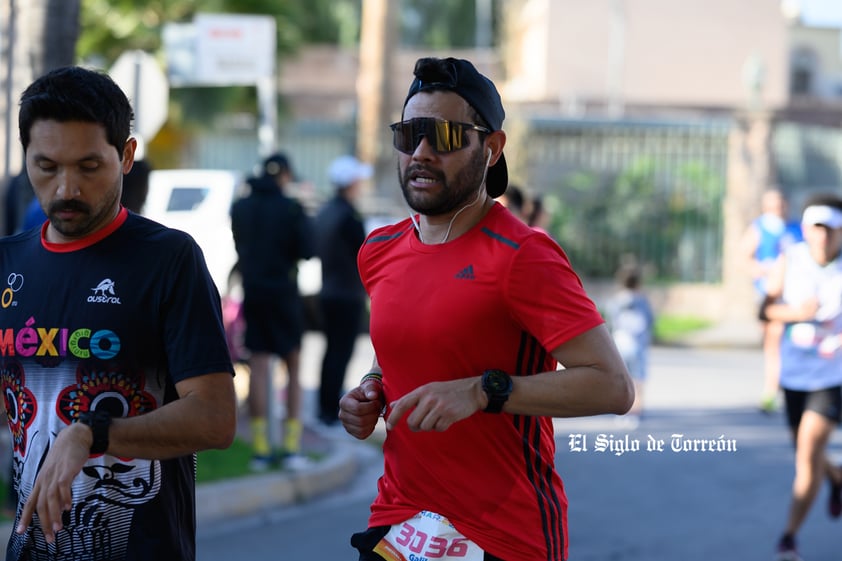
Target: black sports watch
(497,385)
(99,421)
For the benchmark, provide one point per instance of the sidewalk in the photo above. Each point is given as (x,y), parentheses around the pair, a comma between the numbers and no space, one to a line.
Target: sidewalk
(731,335)
(338,453)
(337,465)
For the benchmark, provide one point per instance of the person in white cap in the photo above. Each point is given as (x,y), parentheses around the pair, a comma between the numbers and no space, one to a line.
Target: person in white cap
(806,284)
(342,299)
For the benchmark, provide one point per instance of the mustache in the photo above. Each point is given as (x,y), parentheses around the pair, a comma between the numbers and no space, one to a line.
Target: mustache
(72,205)
(417,168)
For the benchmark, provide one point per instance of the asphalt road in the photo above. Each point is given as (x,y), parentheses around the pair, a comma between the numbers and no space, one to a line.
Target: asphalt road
(632,495)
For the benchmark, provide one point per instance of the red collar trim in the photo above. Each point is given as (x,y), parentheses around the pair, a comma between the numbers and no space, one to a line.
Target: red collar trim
(87,240)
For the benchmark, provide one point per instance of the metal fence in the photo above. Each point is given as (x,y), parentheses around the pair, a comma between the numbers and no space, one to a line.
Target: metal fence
(612,188)
(807,159)
(649,189)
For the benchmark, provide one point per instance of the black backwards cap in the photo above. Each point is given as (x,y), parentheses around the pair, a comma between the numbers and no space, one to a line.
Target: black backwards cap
(275,165)
(462,78)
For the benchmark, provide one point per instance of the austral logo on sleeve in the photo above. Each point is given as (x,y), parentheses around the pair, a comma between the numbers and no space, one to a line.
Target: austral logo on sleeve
(104,293)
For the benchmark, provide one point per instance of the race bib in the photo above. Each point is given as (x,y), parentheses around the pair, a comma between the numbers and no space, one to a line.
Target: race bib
(803,335)
(427,535)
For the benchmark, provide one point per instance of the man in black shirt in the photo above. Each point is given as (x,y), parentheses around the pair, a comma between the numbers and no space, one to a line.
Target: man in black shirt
(271,234)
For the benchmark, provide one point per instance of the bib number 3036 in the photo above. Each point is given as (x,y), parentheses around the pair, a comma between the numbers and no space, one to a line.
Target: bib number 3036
(425,537)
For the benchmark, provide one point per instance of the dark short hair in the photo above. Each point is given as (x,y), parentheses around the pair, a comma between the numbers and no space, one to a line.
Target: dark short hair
(73,93)
(629,275)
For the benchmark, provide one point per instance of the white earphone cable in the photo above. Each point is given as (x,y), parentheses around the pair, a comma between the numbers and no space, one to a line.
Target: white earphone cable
(472,203)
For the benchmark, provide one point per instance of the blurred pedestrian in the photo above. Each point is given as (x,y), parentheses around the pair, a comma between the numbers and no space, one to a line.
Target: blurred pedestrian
(125,373)
(805,290)
(471,313)
(136,186)
(341,232)
(539,218)
(18,198)
(632,324)
(764,240)
(272,234)
(34,216)
(516,201)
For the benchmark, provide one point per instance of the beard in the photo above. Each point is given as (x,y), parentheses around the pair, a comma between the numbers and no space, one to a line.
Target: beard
(90,217)
(454,194)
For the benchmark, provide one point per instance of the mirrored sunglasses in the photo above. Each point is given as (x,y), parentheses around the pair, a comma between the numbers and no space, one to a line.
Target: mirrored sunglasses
(442,135)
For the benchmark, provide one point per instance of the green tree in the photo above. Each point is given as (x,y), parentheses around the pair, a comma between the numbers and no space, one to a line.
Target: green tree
(114,26)
(439,24)
(643,210)
(111,27)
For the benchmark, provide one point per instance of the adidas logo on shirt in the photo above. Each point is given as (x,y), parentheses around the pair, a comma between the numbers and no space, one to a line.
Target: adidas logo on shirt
(466,273)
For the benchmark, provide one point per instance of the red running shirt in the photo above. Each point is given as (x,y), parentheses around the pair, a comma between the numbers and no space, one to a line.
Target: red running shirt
(500,296)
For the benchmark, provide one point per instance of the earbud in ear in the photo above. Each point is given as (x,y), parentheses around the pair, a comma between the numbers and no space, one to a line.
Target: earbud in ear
(490,153)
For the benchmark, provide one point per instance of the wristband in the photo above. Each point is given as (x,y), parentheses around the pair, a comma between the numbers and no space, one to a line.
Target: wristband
(376,376)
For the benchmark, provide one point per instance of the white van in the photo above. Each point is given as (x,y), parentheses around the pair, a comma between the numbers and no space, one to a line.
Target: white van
(198,201)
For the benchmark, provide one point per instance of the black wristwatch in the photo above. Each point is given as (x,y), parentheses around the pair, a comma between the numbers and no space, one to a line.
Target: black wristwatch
(497,385)
(99,421)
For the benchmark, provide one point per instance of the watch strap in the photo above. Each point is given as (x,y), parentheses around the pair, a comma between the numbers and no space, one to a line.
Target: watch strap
(100,422)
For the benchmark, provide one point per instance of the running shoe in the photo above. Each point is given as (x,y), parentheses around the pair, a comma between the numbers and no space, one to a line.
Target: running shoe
(787,550)
(297,462)
(768,405)
(260,463)
(834,505)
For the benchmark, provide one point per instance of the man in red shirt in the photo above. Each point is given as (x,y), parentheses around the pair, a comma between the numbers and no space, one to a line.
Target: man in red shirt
(471,312)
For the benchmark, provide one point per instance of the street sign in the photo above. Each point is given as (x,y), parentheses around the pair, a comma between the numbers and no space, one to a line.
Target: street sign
(235,49)
(220,50)
(141,78)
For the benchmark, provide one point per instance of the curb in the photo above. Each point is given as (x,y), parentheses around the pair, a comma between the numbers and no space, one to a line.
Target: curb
(252,494)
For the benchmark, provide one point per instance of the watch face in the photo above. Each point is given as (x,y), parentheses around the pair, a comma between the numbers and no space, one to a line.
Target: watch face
(497,381)
(497,385)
